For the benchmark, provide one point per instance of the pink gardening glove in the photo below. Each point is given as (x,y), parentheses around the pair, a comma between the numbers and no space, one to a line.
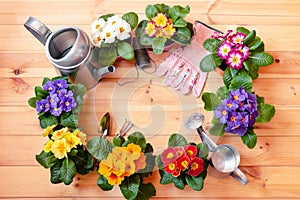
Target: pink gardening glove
(181,67)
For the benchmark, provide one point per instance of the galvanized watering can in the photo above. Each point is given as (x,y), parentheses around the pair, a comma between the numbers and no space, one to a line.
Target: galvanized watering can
(70,51)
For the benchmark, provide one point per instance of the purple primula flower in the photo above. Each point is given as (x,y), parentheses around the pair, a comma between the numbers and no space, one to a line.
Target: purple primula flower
(53,100)
(39,106)
(61,83)
(252,117)
(238,95)
(245,118)
(224,49)
(221,113)
(68,103)
(46,104)
(56,111)
(50,87)
(65,93)
(231,105)
(235,124)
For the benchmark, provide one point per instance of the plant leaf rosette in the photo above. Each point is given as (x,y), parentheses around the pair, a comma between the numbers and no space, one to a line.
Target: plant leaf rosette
(124,163)
(164,24)
(183,163)
(236,107)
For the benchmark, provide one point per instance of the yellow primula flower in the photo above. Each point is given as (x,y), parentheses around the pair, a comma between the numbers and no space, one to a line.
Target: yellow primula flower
(48,130)
(48,146)
(150,29)
(60,148)
(134,151)
(160,20)
(59,133)
(105,168)
(82,136)
(72,140)
(120,153)
(115,180)
(169,30)
(129,168)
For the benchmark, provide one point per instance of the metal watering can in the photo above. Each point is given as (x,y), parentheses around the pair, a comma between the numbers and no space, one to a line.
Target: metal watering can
(70,51)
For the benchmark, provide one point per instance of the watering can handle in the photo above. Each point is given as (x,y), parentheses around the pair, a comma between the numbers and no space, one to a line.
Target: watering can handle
(37,29)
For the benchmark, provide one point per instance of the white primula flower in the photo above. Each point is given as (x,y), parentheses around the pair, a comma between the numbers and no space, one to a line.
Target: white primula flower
(109,34)
(123,30)
(113,20)
(97,25)
(97,39)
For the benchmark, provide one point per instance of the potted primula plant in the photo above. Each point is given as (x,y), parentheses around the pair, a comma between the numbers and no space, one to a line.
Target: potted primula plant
(183,163)
(111,35)
(58,101)
(124,163)
(65,154)
(164,25)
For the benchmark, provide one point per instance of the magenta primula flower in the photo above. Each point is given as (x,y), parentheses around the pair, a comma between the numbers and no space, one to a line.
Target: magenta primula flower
(237,38)
(224,50)
(235,59)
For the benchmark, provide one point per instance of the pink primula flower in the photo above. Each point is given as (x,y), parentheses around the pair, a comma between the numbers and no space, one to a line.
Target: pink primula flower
(224,50)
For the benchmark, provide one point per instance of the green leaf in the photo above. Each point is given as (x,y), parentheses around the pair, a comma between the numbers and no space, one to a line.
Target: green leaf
(253,72)
(250,38)
(68,119)
(212,45)
(177,140)
(117,141)
(222,92)
(162,7)
(84,161)
(182,36)
(255,45)
(210,100)
(46,159)
(136,138)
(47,120)
(260,100)
(45,80)
(242,30)
(158,45)
(102,183)
(203,150)
(61,77)
(150,11)
(107,55)
(250,138)
(146,191)
(104,124)
(67,171)
(149,148)
(125,50)
(180,23)
(178,11)
(130,186)
(145,40)
(55,174)
(229,74)
(217,129)
(261,59)
(241,80)
(179,182)
(158,162)
(32,102)
(265,113)
(165,178)
(196,183)
(105,17)
(210,62)
(99,147)
(131,18)
(40,93)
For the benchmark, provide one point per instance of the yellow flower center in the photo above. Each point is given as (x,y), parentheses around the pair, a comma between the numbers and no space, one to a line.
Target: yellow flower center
(170,155)
(172,166)
(224,112)
(194,166)
(190,152)
(122,29)
(236,97)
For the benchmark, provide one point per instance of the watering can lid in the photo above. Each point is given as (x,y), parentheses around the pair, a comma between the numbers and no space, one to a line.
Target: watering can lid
(38,29)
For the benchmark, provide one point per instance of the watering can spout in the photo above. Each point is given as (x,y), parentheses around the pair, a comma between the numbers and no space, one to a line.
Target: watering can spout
(103,71)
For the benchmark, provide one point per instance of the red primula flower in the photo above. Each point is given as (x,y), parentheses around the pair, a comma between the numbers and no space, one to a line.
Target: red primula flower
(169,155)
(191,151)
(171,167)
(180,151)
(183,162)
(177,171)
(196,167)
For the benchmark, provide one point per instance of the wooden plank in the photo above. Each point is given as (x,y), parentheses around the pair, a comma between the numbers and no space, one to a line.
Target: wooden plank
(267,182)
(36,64)
(283,39)
(264,152)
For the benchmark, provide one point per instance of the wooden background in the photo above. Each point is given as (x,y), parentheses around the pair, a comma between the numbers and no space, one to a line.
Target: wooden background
(273,166)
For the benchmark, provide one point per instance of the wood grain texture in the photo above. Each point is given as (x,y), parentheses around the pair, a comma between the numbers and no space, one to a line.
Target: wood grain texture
(273,166)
